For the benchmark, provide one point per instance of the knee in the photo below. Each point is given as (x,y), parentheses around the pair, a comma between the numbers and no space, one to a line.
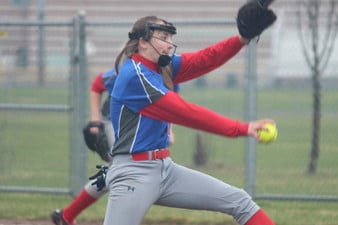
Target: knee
(244,207)
(92,191)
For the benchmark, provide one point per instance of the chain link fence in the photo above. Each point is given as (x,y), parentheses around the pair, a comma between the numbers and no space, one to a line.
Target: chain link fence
(45,70)
(43,73)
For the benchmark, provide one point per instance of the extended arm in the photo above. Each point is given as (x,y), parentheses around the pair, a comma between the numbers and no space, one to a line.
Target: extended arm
(172,108)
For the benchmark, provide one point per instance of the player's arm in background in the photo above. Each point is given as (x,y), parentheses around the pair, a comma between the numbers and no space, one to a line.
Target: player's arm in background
(96,92)
(95,101)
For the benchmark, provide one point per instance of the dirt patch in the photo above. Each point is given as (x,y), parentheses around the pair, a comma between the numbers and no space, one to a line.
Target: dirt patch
(99,222)
(48,222)
(40,222)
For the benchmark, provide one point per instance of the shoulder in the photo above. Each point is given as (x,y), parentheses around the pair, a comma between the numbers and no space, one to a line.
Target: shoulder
(176,63)
(108,74)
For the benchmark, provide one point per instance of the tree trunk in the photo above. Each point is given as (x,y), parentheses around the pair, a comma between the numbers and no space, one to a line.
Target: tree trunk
(201,153)
(315,122)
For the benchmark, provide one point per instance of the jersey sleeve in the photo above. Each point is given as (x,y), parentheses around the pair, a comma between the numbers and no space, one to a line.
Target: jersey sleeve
(97,84)
(195,64)
(174,109)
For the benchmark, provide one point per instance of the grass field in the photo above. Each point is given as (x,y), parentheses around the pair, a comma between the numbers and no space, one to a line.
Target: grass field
(35,152)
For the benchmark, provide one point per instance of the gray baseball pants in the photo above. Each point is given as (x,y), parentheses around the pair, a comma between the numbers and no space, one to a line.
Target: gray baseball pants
(134,186)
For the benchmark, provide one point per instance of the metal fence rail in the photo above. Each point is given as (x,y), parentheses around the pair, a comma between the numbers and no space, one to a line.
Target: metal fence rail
(77,77)
(81,64)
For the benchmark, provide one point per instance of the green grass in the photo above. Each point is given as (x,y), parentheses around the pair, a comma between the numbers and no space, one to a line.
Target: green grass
(35,152)
(35,206)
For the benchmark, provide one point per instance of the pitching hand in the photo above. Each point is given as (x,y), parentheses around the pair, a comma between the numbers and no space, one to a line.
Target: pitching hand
(255,126)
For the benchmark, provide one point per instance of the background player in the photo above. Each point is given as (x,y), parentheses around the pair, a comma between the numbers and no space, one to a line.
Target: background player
(99,113)
(89,194)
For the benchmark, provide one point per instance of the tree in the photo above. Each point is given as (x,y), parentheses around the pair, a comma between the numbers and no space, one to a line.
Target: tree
(200,153)
(317,32)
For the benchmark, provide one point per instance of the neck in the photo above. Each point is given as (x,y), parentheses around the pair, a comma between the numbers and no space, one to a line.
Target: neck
(148,63)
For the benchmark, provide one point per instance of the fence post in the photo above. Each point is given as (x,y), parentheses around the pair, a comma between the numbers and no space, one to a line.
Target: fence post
(41,44)
(251,115)
(78,161)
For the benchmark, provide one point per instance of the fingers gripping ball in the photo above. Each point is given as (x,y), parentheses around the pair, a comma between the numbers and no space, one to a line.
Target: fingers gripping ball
(269,134)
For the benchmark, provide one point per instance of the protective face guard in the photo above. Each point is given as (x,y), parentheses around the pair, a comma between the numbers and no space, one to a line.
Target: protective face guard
(168,27)
(163,60)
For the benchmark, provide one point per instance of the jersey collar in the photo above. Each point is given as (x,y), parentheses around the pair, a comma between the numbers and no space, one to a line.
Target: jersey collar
(151,65)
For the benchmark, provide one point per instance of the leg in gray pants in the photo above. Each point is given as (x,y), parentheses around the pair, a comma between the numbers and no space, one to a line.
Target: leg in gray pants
(136,185)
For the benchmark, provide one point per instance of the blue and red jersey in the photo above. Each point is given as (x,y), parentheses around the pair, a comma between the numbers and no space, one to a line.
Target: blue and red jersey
(104,82)
(142,107)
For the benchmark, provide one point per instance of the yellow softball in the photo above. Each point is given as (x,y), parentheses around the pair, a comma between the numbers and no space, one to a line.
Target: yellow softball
(269,135)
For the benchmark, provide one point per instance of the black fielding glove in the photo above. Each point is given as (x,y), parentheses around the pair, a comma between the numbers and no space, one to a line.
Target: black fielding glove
(97,142)
(254,17)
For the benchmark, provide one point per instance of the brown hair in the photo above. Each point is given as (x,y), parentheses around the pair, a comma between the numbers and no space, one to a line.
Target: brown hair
(131,47)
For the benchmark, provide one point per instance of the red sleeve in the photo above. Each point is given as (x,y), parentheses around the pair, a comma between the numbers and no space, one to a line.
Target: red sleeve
(97,84)
(197,63)
(174,109)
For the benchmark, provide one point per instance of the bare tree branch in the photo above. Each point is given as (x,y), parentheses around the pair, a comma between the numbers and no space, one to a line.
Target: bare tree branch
(328,29)
(331,42)
(301,35)
(314,8)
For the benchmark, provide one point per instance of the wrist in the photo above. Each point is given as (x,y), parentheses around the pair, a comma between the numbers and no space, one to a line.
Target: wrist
(243,40)
(95,122)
